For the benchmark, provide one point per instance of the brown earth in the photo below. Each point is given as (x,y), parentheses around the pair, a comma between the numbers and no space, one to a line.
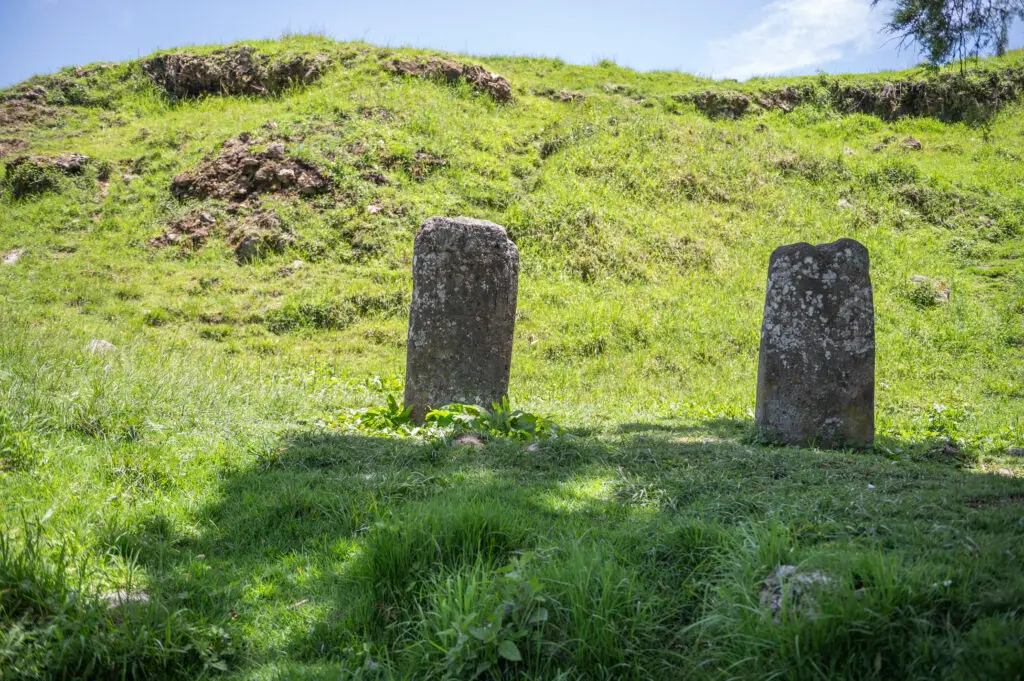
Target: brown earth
(255,234)
(11,146)
(18,113)
(232,71)
(69,164)
(450,71)
(190,231)
(948,97)
(238,174)
(561,95)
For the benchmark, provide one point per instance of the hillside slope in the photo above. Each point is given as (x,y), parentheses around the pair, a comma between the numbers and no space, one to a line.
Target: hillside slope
(241,231)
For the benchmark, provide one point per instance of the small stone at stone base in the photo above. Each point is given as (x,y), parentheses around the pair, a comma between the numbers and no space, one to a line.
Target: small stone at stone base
(100,346)
(116,599)
(472,441)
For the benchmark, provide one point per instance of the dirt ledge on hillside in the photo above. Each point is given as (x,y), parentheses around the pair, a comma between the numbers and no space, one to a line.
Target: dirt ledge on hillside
(446,70)
(949,97)
(233,71)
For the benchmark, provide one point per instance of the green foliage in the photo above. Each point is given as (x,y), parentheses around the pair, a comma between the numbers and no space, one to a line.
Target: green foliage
(194,463)
(955,29)
(395,419)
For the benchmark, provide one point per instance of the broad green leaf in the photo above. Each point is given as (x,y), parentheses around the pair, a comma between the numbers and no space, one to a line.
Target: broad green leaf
(509,651)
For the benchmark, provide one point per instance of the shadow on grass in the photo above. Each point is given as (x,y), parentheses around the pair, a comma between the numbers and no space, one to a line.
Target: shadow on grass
(332,536)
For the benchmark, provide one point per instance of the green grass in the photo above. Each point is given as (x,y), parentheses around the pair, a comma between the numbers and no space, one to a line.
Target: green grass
(199,464)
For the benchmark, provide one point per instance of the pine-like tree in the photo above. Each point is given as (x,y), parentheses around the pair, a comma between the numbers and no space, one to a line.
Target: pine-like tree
(950,30)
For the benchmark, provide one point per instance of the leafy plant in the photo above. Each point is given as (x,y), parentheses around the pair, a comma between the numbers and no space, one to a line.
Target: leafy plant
(395,419)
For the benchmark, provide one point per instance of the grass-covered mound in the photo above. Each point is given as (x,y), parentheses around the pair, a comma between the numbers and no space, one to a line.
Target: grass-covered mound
(201,500)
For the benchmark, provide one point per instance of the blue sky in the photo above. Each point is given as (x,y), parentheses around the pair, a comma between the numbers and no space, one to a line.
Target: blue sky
(727,38)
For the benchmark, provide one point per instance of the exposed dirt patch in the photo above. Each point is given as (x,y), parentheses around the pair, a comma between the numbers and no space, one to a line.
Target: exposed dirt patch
(11,146)
(191,231)
(949,97)
(21,113)
(233,71)
(28,175)
(257,235)
(1012,500)
(69,164)
(450,71)
(250,236)
(561,95)
(718,104)
(238,174)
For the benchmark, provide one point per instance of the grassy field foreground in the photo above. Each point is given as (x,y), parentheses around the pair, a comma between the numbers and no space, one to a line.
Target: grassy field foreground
(192,504)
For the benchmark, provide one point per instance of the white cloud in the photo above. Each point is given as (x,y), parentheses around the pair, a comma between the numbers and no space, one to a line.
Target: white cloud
(795,34)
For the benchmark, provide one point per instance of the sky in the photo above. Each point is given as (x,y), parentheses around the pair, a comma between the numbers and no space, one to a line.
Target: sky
(721,39)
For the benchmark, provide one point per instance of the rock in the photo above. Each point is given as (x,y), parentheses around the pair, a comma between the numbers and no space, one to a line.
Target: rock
(1016,451)
(465,288)
(912,144)
(816,376)
(12,257)
(926,291)
(843,203)
(788,587)
(248,248)
(469,441)
(116,599)
(276,152)
(100,347)
(849,152)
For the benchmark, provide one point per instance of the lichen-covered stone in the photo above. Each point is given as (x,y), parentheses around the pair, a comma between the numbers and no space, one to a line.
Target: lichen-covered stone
(465,287)
(816,378)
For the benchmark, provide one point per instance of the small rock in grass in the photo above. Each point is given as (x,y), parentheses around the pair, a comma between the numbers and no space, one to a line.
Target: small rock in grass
(100,347)
(925,288)
(116,599)
(788,585)
(912,144)
(12,257)
(470,441)
(849,152)
(533,447)
(1016,451)
(843,203)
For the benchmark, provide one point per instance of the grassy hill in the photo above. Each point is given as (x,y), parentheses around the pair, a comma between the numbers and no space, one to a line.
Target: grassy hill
(197,503)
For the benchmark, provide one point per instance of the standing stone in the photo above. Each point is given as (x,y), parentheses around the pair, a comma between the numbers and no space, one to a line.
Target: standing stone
(816,378)
(465,284)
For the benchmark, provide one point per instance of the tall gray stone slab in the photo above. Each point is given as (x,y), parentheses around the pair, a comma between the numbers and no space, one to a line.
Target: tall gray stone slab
(465,286)
(816,376)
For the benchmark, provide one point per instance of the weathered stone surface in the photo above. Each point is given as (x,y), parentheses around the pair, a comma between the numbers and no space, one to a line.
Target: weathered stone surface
(465,287)
(816,378)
